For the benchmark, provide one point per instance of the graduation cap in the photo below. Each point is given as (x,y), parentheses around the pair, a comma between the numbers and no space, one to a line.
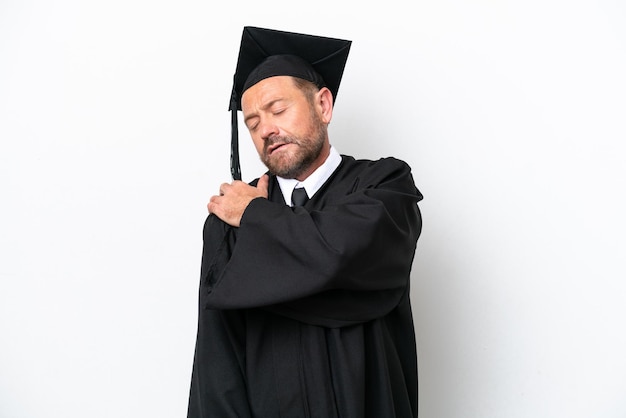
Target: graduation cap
(267,53)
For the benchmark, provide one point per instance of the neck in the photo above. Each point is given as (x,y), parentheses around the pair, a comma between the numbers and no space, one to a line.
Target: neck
(323,155)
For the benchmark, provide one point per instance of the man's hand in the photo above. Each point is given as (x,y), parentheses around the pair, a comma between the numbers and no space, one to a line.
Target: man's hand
(234,198)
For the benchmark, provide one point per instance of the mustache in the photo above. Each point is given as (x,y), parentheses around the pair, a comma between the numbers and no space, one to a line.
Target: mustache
(278,140)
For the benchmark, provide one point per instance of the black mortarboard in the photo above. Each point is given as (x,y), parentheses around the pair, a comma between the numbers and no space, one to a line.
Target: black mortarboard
(267,53)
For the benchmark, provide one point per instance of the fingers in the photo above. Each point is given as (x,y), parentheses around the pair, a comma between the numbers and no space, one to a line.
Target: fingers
(224,187)
(233,198)
(263,183)
(214,200)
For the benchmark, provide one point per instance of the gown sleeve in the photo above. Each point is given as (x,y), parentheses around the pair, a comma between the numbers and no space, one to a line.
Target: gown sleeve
(348,262)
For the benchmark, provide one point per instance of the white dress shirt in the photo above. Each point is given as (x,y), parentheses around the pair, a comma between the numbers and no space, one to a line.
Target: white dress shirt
(312,183)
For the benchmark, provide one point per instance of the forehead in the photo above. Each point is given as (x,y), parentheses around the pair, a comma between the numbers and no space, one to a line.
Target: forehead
(268,90)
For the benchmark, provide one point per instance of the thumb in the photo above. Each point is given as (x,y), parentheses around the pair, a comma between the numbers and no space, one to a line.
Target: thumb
(263,183)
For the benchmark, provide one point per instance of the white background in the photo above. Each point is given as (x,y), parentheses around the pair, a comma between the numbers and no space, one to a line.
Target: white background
(114,133)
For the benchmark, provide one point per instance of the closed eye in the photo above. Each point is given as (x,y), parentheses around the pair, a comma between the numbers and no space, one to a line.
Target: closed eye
(252,123)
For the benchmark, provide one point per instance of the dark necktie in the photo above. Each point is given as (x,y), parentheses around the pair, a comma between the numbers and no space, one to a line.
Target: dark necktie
(299,197)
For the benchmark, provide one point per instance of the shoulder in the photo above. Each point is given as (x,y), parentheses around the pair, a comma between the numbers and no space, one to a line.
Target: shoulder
(388,173)
(384,167)
(381,162)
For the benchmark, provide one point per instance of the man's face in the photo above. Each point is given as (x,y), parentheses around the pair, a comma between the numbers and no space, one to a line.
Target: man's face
(288,130)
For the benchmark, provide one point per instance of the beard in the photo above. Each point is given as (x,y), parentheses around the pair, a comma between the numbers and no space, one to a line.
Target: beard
(308,148)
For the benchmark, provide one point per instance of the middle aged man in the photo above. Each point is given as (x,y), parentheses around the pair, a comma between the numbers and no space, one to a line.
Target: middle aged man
(304,303)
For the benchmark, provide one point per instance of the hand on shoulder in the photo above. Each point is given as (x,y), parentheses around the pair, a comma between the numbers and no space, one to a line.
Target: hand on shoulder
(234,198)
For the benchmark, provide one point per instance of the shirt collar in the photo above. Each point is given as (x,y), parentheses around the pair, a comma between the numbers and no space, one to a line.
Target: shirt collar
(312,183)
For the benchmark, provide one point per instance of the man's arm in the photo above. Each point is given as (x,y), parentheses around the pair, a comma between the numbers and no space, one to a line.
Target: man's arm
(351,258)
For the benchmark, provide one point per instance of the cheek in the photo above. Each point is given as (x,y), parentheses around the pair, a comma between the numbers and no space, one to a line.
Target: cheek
(258,144)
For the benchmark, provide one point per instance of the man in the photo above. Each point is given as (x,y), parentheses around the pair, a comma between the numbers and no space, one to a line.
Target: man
(304,306)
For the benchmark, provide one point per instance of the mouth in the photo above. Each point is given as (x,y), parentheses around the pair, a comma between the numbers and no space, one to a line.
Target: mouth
(274,147)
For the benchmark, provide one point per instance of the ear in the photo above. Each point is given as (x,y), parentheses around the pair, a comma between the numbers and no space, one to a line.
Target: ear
(325,104)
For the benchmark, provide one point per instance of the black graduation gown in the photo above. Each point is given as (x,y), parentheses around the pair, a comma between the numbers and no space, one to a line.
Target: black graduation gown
(305,312)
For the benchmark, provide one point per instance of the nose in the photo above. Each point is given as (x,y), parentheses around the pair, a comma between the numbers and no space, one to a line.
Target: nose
(268,129)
